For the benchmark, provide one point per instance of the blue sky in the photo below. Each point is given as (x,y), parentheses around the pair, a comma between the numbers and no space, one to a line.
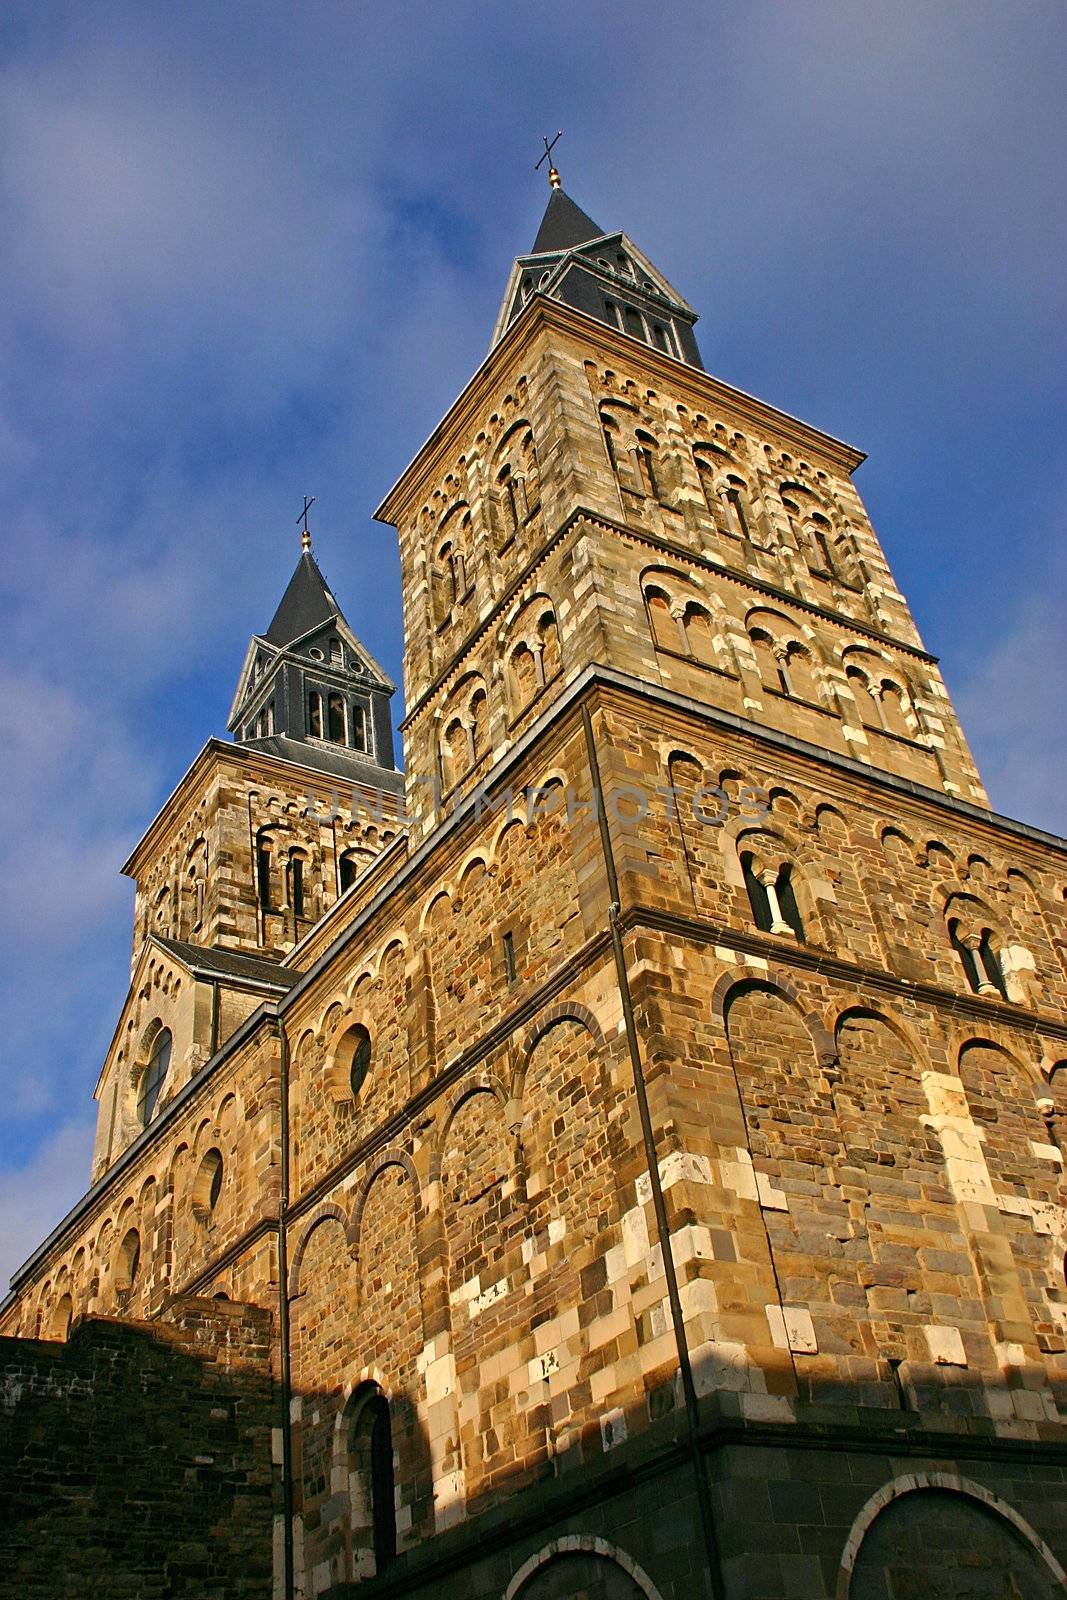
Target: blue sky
(253,250)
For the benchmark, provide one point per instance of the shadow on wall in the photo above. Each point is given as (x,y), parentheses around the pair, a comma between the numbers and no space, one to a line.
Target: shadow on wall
(887,1502)
(136,1458)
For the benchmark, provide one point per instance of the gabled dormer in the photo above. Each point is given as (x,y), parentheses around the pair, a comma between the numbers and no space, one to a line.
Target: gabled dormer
(309,691)
(603,274)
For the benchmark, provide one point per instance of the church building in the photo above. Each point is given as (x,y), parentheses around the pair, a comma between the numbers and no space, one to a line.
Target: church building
(620,1155)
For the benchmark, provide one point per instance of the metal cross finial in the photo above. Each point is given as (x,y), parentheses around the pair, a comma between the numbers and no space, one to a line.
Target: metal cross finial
(553,175)
(305,537)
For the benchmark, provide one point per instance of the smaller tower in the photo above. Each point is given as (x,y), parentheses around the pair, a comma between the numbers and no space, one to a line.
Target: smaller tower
(310,692)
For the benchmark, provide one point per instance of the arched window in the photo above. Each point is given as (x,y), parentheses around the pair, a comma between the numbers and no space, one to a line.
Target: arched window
(350,867)
(768,662)
(523,676)
(509,502)
(664,628)
(263,855)
(336,653)
(611,429)
(128,1260)
(358,727)
(646,460)
(373,1481)
(866,707)
(800,674)
(357,1047)
(821,557)
(699,634)
(891,699)
(772,897)
(448,562)
(61,1317)
(152,1077)
(548,633)
(479,724)
(706,474)
(611,313)
(787,901)
(992,969)
(457,752)
(296,884)
(207,1185)
(735,496)
(757,896)
(315,714)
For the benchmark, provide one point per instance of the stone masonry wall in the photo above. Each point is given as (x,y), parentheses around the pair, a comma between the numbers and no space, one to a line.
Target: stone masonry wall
(136,1459)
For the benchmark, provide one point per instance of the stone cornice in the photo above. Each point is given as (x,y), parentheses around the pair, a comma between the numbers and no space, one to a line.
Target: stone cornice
(612,681)
(677,552)
(783,952)
(697,388)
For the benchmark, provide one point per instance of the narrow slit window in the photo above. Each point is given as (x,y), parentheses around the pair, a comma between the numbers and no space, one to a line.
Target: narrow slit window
(758,898)
(509,957)
(383,1488)
(263,876)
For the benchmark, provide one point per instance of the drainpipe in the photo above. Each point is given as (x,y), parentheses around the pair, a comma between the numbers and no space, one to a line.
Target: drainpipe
(703,1493)
(283,1321)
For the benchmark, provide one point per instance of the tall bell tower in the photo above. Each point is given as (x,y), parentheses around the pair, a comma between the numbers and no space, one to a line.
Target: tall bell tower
(702,539)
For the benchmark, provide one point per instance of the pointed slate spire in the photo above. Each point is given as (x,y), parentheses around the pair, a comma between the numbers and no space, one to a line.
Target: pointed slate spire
(306,604)
(563,225)
(311,692)
(602,274)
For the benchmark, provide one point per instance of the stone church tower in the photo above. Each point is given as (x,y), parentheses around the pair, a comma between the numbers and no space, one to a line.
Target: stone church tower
(645,1134)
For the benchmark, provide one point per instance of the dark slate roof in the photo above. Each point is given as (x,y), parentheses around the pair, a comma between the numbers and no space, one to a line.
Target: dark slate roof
(229,963)
(307,603)
(356,766)
(563,225)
